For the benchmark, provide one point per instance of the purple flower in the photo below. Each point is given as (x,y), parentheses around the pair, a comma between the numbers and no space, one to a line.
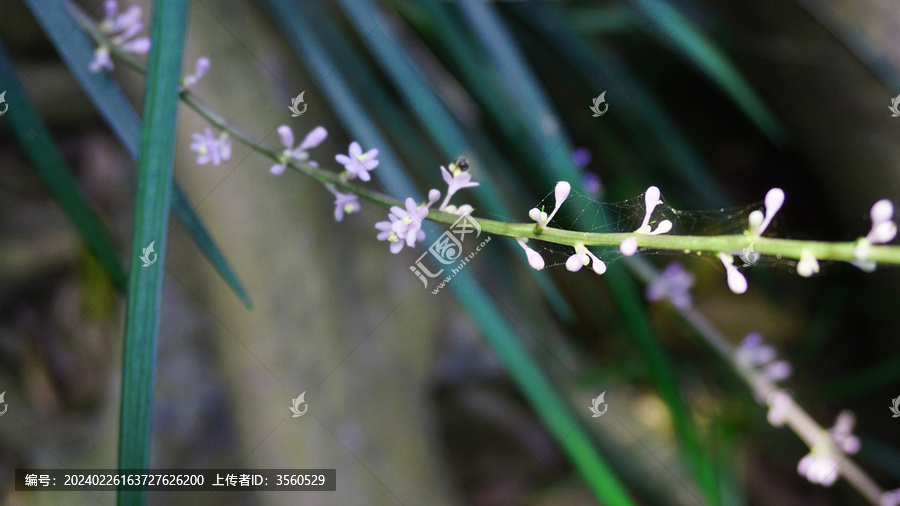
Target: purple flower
(209,148)
(821,469)
(358,164)
(300,154)
(409,226)
(456,181)
(674,283)
(121,29)
(201,67)
(592,185)
(388,234)
(842,432)
(581,157)
(891,498)
(343,203)
(821,466)
(780,405)
(883,231)
(754,355)
(404,227)
(101,60)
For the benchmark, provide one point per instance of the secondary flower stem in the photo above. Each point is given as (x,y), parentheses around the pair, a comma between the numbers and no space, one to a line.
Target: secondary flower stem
(795,417)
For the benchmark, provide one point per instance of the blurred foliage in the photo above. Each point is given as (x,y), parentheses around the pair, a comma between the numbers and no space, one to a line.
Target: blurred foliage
(714,102)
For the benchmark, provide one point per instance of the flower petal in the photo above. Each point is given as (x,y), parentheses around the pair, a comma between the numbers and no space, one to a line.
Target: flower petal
(138,46)
(314,138)
(286,136)
(574,263)
(629,246)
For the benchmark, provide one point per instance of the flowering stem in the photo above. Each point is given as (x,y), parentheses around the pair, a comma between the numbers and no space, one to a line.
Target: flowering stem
(781,248)
(787,248)
(795,417)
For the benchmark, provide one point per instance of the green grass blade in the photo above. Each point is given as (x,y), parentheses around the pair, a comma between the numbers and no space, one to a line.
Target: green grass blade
(76,50)
(525,372)
(417,94)
(642,114)
(676,30)
(630,302)
(538,390)
(51,166)
(151,216)
(434,117)
(524,96)
(534,110)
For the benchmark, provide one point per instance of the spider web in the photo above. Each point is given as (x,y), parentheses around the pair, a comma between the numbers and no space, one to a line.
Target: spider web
(584,213)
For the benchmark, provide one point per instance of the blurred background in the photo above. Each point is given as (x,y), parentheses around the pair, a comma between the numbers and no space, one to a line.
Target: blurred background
(410,394)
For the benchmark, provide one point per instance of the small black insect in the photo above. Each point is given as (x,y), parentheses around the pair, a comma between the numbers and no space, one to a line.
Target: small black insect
(462,164)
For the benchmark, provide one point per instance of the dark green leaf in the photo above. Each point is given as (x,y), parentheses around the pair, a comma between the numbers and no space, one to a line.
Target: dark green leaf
(50,165)
(76,50)
(151,216)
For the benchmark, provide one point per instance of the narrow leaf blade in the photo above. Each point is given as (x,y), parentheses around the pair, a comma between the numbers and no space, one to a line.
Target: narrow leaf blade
(76,50)
(151,216)
(50,165)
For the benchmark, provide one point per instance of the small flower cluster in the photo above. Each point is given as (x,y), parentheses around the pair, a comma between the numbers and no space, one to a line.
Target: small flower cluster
(121,30)
(674,283)
(890,498)
(201,67)
(582,255)
(210,148)
(822,465)
(760,358)
(561,193)
(301,152)
(580,258)
(883,231)
(405,225)
(758,222)
(652,198)
(358,164)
